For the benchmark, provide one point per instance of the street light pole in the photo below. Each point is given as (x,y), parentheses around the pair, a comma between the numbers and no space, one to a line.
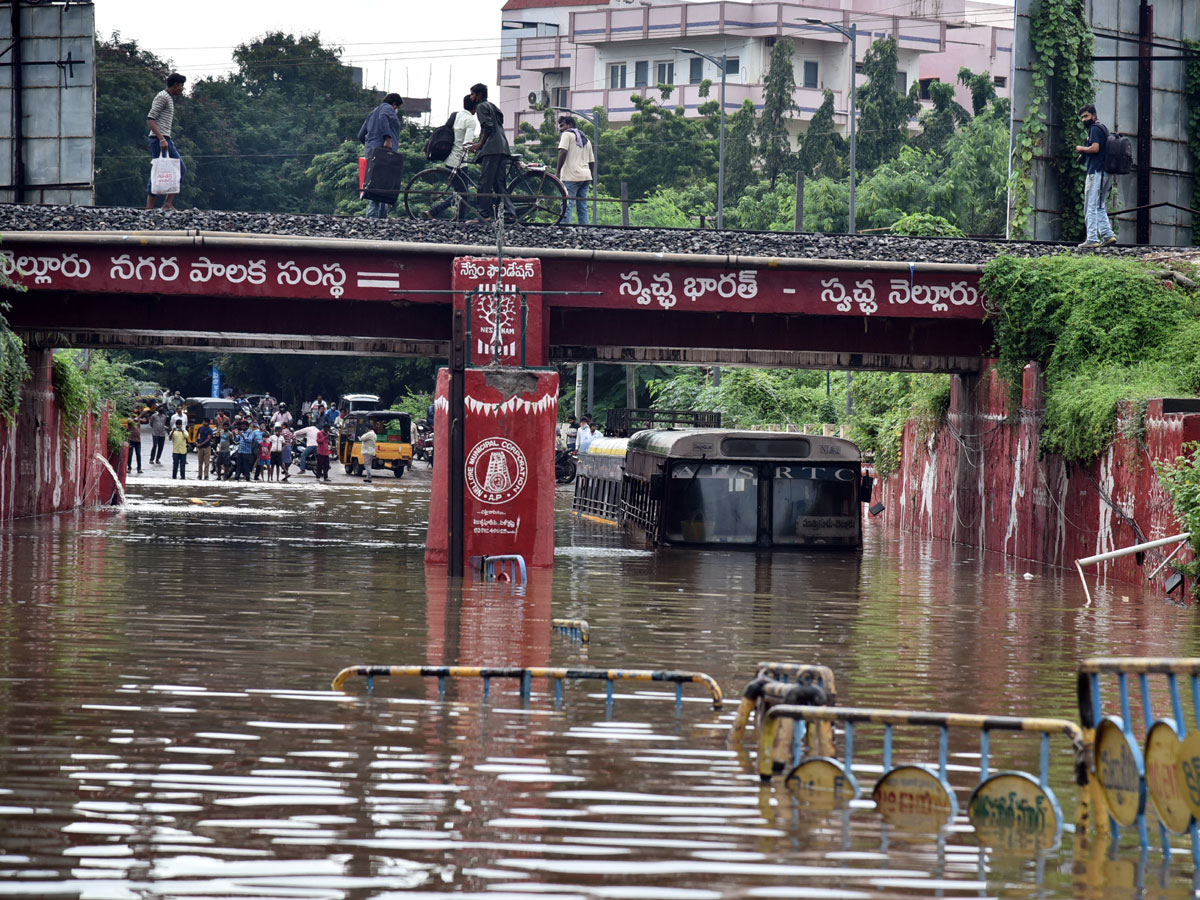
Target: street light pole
(721,63)
(850,34)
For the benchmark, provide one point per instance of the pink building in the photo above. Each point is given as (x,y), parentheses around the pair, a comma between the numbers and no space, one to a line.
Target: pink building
(583,55)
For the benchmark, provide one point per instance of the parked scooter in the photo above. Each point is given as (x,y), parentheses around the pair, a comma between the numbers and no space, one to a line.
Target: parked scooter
(423,443)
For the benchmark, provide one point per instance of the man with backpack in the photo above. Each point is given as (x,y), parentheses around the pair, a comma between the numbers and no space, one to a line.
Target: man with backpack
(1099,180)
(448,144)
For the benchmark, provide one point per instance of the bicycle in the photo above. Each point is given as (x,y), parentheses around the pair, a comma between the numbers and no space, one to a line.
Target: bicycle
(447,193)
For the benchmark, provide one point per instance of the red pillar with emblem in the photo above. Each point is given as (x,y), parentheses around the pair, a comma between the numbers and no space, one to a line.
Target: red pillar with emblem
(511,411)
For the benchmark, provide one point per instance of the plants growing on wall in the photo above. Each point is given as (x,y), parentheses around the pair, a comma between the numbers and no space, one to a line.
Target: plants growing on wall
(1062,81)
(1103,330)
(14,372)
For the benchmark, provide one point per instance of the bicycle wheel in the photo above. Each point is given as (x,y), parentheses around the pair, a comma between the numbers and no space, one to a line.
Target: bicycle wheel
(539,197)
(431,191)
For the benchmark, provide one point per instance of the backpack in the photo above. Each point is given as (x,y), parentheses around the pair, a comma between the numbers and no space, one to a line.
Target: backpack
(1118,153)
(441,142)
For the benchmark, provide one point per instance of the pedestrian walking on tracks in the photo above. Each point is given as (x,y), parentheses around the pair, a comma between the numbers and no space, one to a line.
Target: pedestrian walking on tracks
(160,119)
(492,152)
(576,167)
(1095,190)
(381,128)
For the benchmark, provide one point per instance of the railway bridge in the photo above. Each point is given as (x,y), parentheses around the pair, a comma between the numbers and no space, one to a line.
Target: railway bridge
(781,300)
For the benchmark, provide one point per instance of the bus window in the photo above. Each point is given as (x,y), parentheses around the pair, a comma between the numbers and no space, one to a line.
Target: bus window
(814,505)
(714,503)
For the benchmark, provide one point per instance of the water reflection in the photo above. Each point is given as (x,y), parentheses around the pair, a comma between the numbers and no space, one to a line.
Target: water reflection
(168,730)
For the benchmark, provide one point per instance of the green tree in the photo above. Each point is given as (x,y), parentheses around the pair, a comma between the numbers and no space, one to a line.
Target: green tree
(823,150)
(739,152)
(542,141)
(884,111)
(982,88)
(779,88)
(976,168)
(939,123)
(659,148)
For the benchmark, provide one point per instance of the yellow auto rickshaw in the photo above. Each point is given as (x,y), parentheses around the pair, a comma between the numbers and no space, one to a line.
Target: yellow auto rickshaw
(393,431)
(201,409)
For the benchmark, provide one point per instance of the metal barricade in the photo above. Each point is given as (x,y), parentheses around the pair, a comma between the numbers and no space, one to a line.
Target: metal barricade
(772,686)
(510,568)
(575,629)
(526,676)
(1164,766)
(1010,808)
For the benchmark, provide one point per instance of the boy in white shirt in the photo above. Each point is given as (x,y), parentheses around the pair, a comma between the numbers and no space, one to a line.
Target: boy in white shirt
(576,167)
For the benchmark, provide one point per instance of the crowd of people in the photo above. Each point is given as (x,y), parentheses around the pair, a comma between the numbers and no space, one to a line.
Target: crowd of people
(576,435)
(259,443)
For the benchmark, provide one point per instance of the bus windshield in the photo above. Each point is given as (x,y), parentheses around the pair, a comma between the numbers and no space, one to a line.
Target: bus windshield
(714,503)
(814,505)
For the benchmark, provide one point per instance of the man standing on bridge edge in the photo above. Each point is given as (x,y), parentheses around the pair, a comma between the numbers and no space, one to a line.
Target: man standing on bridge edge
(492,152)
(160,118)
(1095,216)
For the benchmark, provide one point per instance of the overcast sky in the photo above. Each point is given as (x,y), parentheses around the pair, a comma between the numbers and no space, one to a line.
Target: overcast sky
(419,48)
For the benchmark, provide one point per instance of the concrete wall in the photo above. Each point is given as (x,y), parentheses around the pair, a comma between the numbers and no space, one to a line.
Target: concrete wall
(981,480)
(58,103)
(36,477)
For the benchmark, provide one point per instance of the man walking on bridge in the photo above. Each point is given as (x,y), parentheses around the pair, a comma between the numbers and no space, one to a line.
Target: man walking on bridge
(160,118)
(1095,216)
(381,129)
(492,152)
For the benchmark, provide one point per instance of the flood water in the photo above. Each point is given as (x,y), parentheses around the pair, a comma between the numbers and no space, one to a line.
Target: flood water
(169,728)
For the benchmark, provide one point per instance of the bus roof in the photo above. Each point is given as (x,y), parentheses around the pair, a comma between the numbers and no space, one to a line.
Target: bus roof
(607,446)
(720,443)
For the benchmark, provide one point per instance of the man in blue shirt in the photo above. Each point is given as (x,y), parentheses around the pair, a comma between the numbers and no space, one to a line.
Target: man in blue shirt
(1095,216)
(381,129)
(245,454)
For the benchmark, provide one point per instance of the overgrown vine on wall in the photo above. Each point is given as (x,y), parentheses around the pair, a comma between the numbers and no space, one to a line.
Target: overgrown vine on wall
(71,389)
(1062,79)
(14,372)
(1191,89)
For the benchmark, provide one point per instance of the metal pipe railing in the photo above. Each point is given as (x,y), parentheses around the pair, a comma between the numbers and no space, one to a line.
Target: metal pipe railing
(1116,554)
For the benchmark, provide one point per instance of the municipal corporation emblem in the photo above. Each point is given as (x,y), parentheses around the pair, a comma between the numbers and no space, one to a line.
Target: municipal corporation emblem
(496,470)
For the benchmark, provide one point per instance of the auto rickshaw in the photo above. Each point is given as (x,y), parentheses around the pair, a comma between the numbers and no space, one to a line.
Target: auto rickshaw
(393,430)
(200,409)
(349,403)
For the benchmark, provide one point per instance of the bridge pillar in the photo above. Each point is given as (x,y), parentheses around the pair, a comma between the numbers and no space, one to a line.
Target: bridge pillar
(509,416)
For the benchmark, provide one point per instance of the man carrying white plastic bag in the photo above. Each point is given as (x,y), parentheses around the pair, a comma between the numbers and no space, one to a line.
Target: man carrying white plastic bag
(166,167)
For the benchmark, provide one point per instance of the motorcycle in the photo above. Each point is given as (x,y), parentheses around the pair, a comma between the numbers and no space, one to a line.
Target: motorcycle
(423,443)
(564,466)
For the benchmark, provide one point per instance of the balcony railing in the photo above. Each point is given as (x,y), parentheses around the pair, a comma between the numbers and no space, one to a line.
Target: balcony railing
(620,106)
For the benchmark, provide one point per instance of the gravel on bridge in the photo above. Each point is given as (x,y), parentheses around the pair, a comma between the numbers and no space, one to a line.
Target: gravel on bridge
(16,218)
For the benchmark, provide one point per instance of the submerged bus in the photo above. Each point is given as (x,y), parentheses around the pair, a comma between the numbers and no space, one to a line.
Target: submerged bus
(721,487)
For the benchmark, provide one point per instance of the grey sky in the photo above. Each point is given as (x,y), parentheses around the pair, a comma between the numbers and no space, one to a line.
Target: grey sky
(416,48)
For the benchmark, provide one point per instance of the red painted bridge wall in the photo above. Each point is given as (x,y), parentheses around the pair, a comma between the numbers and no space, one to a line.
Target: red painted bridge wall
(980,480)
(35,477)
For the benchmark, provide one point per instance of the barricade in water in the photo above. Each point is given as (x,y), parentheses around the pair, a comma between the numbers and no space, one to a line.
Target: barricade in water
(575,629)
(814,685)
(1163,767)
(526,675)
(1012,809)
(509,568)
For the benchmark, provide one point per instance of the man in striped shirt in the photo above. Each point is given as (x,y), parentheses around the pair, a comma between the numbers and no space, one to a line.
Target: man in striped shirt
(160,118)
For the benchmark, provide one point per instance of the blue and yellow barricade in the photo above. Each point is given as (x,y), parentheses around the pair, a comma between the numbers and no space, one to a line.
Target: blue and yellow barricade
(509,568)
(1161,770)
(575,629)
(772,686)
(526,676)
(1010,809)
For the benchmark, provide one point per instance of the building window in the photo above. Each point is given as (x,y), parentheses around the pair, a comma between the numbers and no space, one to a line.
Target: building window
(810,74)
(558,96)
(665,72)
(858,68)
(1000,81)
(695,70)
(733,65)
(641,74)
(616,76)
(902,82)
(924,89)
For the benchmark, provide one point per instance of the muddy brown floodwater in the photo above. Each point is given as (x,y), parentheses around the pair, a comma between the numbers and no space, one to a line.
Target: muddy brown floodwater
(168,728)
